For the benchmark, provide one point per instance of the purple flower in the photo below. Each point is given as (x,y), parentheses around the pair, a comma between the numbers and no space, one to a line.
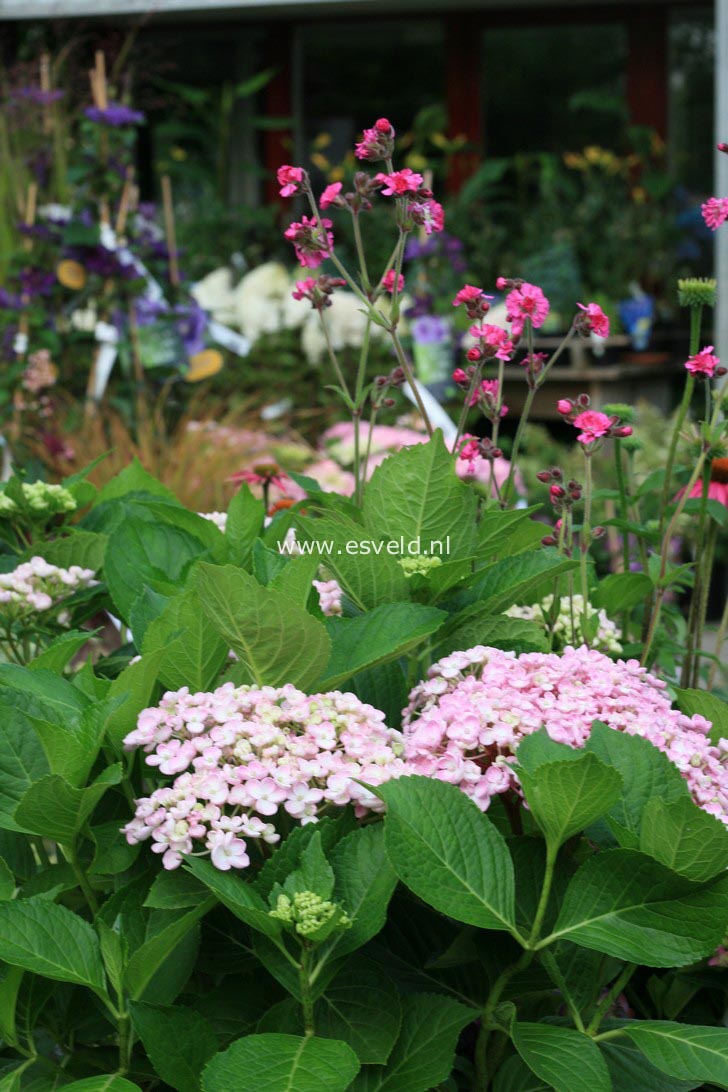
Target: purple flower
(191,324)
(8,301)
(116,114)
(36,95)
(35,282)
(430,329)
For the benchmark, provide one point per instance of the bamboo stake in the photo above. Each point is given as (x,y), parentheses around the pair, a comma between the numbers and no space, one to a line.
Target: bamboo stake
(169,229)
(125,202)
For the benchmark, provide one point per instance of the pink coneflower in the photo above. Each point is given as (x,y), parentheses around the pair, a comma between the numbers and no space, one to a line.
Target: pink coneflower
(265,474)
(718,484)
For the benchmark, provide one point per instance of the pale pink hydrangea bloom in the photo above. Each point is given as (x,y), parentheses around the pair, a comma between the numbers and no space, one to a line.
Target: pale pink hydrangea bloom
(464,723)
(329,596)
(239,756)
(37,585)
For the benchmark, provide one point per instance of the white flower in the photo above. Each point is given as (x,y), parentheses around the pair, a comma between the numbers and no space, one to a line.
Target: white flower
(261,300)
(215,294)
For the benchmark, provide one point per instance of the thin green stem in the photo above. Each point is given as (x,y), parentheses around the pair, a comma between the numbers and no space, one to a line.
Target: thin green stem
(406,368)
(720,641)
(706,572)
(88,893)
(554,972)
(696,315)
(584,544)
(307,1002)
(474,383)
(609,998)
(691,645)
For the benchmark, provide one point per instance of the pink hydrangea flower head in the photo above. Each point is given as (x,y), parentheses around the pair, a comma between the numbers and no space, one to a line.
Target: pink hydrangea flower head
(400,183)
(715,212)
(465,722)
(330,195)
(243,756)
(703,363)
(593,425)
(388,282)
(594,319)
(290,179)
(526,303)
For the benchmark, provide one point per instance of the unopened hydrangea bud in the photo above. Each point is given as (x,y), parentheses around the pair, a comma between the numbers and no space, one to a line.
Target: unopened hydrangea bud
(421,564)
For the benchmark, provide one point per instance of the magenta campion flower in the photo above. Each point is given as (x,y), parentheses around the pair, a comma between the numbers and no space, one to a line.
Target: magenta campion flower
(115,115)
(388,282)
(564,405)
(526,303)
(376,143)
(495,339)
(594,319)
(464,723)
(312,246)
(330,194)
(290,179)
(427,213)
(304,289)
(703,363)
(400,182)
(243,756)
(469,294)
(715,212)
(593,424)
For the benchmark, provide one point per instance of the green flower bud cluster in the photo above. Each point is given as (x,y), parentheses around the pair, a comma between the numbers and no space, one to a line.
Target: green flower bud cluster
(41,498)
(608,637)
(309,915)
(420,564)
(696,292)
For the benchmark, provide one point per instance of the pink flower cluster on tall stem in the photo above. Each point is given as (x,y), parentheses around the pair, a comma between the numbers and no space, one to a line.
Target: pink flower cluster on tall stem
(526,302)
(704,363)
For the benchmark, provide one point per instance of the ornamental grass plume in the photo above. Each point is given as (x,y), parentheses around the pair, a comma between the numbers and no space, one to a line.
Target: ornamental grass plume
(244,757)
(464,723)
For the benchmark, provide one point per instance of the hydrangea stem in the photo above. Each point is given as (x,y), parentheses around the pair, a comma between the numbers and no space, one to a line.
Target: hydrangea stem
(307,1002)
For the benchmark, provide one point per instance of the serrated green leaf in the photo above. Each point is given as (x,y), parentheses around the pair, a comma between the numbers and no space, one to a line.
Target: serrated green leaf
(274,1063)
(448,852)
(423,1053)
(565,1058)
(567,796)
(59,653)
(193,652)
(684,1051)
(707,705)
(179,1042)
(241,898)
(51,941)
(275,641)
(633,908)
(416,494)
(375,638)
(682,836)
